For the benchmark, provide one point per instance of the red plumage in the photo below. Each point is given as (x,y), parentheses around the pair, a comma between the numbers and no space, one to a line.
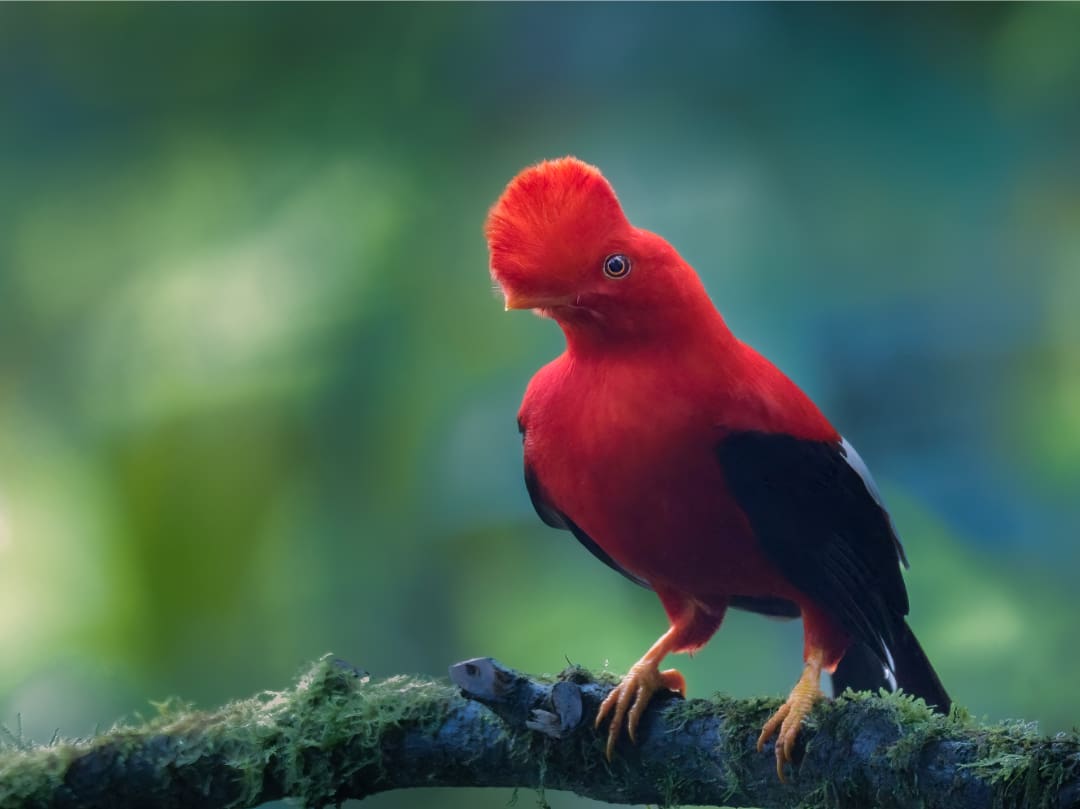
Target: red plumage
(680,455)
(625,446)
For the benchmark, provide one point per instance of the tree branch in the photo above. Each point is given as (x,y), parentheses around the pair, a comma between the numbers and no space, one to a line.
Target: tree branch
(337,735)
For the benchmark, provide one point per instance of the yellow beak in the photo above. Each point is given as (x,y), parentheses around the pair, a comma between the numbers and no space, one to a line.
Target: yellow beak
(515,301)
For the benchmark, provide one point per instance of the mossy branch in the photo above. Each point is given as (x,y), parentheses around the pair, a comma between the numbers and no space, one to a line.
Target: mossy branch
(338,734)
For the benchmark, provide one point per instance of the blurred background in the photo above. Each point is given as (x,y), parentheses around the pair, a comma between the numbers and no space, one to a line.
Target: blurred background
(257,396)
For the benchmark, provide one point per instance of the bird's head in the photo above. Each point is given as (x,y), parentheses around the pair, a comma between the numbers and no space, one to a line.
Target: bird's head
(560,244)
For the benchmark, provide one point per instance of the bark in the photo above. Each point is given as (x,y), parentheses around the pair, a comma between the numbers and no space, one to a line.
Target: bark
(337,734)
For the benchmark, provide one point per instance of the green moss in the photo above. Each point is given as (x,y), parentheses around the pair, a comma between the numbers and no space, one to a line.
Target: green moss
(583,676)
(743,718)
(330,704)
(334,726)
(824,796)
(1011,756)
(671,786)
(742,714)
(1027,770)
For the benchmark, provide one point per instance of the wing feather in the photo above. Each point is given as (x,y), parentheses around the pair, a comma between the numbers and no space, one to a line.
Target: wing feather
(820,519)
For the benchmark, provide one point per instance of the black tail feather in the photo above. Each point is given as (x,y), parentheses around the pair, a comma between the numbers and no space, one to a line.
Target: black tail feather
(861,670)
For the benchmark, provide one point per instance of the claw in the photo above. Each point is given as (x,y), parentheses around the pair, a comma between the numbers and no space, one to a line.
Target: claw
(628,700)
(786,723)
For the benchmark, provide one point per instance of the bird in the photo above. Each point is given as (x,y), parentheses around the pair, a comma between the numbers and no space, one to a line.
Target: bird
(684,459)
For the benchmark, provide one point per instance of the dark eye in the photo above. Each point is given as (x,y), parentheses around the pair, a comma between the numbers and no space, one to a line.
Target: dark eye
(616,266)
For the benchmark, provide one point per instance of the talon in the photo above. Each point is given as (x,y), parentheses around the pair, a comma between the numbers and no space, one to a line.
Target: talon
(786,723)
(771,726)
(628,700)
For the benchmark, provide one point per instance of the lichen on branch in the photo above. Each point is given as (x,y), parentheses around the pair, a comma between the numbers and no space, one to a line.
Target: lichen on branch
(339,734)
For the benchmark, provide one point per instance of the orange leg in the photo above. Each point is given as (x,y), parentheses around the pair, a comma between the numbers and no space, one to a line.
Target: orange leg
(788,719)
(630,697)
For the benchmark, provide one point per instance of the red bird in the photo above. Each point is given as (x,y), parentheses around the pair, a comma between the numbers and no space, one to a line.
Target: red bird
(686,461)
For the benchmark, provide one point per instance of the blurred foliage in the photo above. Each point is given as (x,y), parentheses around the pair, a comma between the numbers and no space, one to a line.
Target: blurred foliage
(257,401)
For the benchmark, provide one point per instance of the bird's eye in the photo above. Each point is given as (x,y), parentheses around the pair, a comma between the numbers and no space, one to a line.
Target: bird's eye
(616,266)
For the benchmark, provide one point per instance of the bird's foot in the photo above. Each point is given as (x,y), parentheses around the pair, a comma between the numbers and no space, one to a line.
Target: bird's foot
(630,697)
(787,721)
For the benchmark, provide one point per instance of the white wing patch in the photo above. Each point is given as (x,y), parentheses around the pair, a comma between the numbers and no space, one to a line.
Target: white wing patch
(856,462)
(890,665)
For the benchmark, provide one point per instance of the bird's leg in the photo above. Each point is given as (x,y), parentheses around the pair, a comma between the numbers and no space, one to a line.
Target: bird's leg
(788,719)
(630,697)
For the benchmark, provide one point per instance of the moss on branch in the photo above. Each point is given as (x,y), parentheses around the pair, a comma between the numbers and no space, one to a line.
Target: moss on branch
(337,734)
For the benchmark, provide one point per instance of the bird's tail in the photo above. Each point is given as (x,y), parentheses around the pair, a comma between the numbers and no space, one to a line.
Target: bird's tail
(860,669)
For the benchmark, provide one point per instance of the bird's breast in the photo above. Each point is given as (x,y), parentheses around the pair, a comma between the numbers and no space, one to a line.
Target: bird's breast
(633,464)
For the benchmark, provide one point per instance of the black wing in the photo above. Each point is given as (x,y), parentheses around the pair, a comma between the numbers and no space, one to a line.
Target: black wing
(821,522)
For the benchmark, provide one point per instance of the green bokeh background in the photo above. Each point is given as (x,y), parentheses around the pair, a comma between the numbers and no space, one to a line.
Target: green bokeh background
(257,397)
